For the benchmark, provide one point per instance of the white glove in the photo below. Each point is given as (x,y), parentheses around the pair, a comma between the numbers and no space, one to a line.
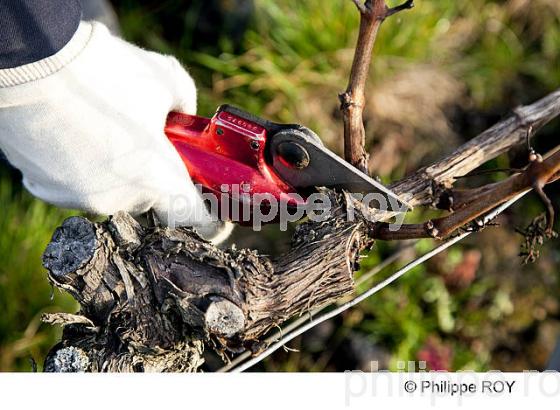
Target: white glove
(85,127)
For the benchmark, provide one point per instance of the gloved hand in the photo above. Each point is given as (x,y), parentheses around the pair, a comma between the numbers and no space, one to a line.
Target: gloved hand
(85,127)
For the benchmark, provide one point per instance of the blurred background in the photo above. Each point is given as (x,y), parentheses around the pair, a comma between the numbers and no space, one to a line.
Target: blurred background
(441,73)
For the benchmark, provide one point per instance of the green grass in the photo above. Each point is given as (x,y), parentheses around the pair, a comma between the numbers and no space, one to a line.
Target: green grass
(26,226)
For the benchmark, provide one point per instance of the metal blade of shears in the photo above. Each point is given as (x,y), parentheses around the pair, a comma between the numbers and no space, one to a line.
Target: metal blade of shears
(301,160)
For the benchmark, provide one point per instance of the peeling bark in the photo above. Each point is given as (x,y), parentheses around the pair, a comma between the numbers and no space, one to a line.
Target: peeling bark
(152,297)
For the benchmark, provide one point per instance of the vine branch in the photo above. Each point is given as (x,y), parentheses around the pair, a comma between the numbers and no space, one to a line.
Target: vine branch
(352,101)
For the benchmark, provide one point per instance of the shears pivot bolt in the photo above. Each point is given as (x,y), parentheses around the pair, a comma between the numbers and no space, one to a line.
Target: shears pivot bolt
(293,154)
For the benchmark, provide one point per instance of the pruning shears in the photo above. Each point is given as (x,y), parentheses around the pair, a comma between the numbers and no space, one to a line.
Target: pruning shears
(285,161)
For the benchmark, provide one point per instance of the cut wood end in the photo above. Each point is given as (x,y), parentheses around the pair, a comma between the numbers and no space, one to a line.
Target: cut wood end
(224,318)
(68,360)
(72,246)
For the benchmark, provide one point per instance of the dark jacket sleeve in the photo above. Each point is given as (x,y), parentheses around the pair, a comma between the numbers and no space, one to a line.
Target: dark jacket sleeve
(31,30)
